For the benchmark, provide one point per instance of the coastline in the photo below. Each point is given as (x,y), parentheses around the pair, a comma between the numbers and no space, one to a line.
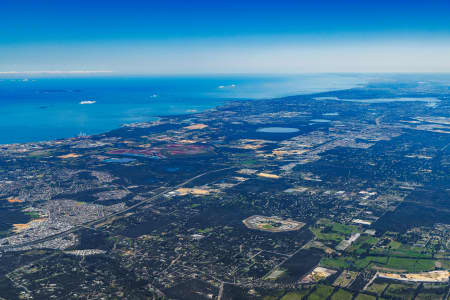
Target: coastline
(147,124)
(49,109)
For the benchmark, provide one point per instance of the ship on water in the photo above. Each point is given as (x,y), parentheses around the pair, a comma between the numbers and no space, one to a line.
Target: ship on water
(87,102)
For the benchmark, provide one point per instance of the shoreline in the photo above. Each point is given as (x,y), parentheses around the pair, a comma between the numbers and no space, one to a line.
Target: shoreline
(132,100)
(158,118)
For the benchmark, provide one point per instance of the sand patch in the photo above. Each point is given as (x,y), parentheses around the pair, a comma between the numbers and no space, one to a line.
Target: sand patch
(187,141)
(249,147)
(318,274)
(69,155)
(193,191)
(433,276)
(21,227)
(14,200)
(196,126)
(267,175)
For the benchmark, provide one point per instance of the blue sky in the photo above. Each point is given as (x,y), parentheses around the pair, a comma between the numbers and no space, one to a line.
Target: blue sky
(167,37)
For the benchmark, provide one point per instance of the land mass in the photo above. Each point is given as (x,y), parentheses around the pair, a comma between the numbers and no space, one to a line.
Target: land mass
(337,195)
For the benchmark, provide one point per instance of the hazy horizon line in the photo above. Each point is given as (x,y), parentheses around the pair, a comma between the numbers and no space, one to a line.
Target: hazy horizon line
(113,73)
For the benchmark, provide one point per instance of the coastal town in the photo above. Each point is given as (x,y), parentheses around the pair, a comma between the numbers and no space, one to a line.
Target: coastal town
(306,197)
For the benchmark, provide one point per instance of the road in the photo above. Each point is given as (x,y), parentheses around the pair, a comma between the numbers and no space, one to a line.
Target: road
(103,219)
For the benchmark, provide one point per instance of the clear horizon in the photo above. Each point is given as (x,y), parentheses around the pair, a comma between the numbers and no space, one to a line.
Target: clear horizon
(200,37)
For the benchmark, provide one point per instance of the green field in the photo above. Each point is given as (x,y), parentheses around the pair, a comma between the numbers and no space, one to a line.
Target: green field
(297,295)
(409,264)
(428,296)
(337,263)
(401,291)
(342,295)
(321,292)
(329,236)
(275,295)
(394,245)
(326,230)
(344,229)
(33,214)
(432,291)
(377,288)
(402,264)
(349,262)
(365,297)
(445,264)
(267,226)
(206,230)
(395,248)
(362,245)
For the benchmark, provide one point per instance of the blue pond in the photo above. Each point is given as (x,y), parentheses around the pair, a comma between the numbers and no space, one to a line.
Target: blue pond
(119,160)
(277,130)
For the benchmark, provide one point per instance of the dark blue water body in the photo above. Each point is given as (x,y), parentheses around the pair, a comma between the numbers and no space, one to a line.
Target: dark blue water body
(45,109)
(278,130)
(119,160)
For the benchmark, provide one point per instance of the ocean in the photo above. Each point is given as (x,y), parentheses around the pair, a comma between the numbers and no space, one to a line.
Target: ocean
(38,109)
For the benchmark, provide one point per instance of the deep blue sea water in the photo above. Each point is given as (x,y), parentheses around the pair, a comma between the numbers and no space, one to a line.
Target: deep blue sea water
(45,109)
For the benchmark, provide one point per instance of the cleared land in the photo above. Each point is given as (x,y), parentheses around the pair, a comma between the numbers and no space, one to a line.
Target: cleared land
(69,155)
(267,175)
(14,200)
(433,276)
